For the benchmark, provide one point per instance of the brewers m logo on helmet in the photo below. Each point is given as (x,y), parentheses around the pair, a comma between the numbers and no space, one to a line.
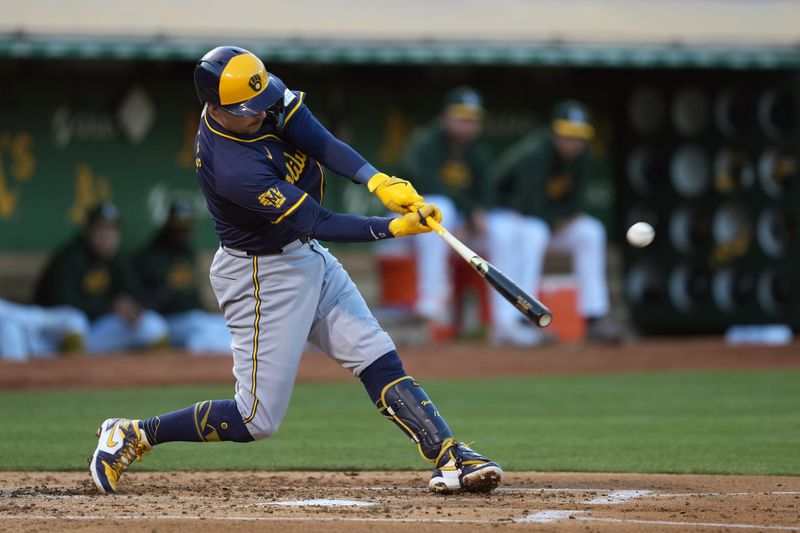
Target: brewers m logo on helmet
(255,82)
(236,80)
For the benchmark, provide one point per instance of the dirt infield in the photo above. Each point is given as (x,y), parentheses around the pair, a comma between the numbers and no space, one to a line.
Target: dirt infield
(395,501)
(445,361)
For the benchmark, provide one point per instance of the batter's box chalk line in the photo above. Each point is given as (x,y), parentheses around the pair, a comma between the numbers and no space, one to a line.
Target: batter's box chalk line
(619,496)
(545,517)
(319,502)
(550,516)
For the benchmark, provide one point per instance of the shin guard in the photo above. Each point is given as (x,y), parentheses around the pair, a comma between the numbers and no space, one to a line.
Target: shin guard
(405,403)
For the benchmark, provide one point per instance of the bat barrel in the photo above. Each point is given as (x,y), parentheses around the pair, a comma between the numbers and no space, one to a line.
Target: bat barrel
(529,306)
(544,319)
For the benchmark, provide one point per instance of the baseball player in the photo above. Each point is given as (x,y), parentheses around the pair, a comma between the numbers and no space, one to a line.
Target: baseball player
(259,159)
(541,183)
(450,163)
(170,285)
(90,274)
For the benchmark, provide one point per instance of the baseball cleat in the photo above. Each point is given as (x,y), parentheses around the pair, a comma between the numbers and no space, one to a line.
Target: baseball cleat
(120,442)
(460,468)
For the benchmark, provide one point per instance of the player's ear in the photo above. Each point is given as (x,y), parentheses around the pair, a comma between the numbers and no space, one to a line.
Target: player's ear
(215,111)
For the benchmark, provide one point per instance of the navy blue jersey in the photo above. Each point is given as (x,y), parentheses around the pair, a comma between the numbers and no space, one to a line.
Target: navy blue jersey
(264,190)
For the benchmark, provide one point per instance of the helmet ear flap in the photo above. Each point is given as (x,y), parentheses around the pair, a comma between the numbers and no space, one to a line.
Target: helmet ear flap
(206,82)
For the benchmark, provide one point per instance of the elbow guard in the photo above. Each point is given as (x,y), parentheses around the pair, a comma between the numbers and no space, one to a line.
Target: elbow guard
(406,403)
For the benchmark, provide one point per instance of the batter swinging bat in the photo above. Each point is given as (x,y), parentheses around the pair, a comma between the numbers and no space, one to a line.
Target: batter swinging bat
(527,304)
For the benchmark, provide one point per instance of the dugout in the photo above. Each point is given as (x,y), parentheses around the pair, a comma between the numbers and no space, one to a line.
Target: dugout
(698,130)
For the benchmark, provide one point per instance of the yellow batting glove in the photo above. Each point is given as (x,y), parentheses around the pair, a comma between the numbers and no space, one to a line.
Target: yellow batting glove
(396,194)
(414,223)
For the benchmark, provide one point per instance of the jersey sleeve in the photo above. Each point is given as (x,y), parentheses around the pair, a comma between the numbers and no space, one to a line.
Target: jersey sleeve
(283,203)
(251,185)
(303,129)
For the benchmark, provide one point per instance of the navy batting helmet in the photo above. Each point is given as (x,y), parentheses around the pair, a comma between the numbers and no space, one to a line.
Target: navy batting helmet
(236,80)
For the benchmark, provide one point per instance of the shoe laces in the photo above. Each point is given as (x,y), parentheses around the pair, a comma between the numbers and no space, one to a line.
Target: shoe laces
(129,453)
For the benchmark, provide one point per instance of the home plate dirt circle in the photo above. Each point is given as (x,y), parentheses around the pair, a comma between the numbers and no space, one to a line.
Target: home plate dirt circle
(397,501)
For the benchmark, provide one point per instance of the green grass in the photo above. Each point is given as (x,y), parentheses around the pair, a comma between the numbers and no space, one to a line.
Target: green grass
(701,422)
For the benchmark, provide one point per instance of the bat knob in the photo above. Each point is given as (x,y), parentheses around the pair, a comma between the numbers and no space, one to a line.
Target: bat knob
(544,320)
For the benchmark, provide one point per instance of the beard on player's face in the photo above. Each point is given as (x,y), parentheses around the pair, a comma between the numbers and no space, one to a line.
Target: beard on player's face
(237,124)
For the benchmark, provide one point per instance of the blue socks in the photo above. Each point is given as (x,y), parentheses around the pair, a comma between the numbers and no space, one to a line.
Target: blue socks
(219,420)
(380,373)
(208,421)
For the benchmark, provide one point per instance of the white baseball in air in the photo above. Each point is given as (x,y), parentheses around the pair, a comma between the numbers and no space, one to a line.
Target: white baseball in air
(640,234)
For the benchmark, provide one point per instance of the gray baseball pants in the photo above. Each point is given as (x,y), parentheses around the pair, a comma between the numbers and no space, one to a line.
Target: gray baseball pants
(273,304)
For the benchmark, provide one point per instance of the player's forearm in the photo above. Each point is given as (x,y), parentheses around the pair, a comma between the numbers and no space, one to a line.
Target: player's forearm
(312,137)
(319,223)
(341,227)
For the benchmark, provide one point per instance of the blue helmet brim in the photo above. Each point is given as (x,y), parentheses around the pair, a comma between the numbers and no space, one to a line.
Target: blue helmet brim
(259,103)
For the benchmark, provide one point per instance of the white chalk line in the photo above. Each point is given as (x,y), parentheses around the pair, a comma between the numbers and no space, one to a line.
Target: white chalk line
(318,502)
(619,496)
(551,516)
(682,524)
(546,517)
(708,494)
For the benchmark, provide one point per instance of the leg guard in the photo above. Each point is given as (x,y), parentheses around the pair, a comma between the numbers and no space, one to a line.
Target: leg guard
(405,403)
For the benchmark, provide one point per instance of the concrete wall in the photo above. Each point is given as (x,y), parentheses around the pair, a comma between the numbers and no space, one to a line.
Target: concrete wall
(602,21)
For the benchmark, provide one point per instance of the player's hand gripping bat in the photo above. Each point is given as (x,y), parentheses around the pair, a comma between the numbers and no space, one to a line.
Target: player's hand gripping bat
(527,304)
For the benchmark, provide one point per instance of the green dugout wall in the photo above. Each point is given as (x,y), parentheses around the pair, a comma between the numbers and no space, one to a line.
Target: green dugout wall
(684,142)
(76,132)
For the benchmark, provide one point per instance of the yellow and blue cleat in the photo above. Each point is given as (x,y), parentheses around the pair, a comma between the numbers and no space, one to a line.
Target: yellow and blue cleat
(120,442)
(459,468)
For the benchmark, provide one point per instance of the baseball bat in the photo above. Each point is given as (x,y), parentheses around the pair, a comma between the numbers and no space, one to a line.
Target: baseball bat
(529,306)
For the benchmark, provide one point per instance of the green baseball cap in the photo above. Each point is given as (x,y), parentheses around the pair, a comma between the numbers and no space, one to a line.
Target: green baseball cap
(103,212)
(463,102)
(571,119)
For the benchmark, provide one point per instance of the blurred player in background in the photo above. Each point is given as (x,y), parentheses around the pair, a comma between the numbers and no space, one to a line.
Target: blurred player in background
(28,331)
(167,269)
(540,183)
(449,164)
(89,274)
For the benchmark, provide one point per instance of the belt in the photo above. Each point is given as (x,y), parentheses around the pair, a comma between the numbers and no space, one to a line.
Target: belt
(294,245)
